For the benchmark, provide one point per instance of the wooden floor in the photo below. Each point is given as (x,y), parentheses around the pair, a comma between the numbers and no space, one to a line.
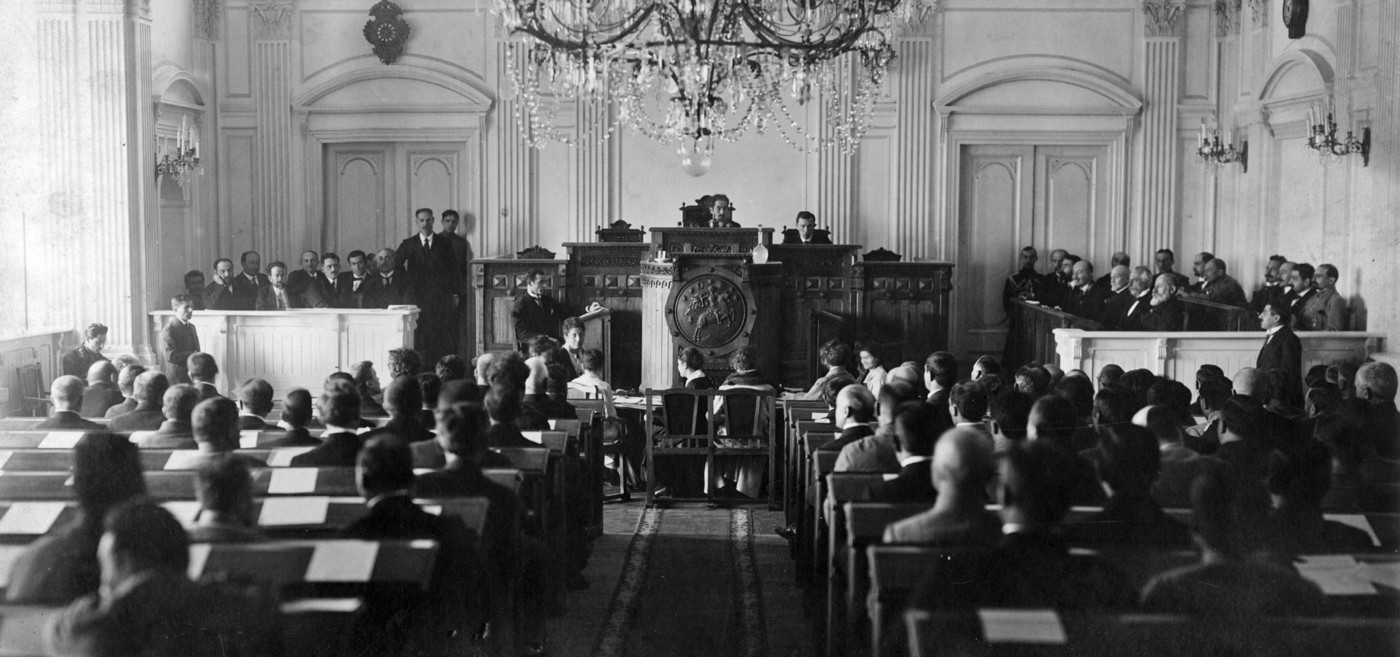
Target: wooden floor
(686,580)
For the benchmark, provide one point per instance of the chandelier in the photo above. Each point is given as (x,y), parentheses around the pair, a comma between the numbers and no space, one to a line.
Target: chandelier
(696,72)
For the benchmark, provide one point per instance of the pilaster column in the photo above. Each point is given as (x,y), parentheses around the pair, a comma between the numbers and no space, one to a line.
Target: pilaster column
(597,182)
(1162,91)
(912,202)
(271,227)
(513,225)
(836,175)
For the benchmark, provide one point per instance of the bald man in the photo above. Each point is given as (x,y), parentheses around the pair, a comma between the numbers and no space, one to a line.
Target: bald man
(299,280)
(388,286)
(101,392)
(962,467)
(855,410)
(67,396)
(1119,259)
(1120,298)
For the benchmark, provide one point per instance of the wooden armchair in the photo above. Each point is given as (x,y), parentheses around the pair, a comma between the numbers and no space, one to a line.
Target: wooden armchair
(682,422)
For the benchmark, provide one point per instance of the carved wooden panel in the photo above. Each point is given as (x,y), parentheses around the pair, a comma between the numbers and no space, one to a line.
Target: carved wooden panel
(358,195)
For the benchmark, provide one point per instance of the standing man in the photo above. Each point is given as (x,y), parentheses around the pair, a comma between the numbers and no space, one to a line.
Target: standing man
(325,291)
(276,295)
(354,284)
(80,360)
(428,262)
(1326,310)
(219,294)
(179,339)
(387,287)
(806,232)
(462,257)
(536,313)
(247,284)
(1282,350)
(299,280)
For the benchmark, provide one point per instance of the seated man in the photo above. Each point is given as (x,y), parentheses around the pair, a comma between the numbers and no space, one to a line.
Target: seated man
(1219,286)
(148,605)
(203,369)
(1032,566)
(276,295)
(1298,481)
(367,387)
(450,368)
(1166,313)
(1128,463)
(126,382)
(254,403)
(940,373)
(1053,421)
(914,437)
(340,412)
(876,452)
(297,409)
(66,394)
(806,231)
(962,467)
(224,488)
(1120,298)
(1229,586)
(835,355)
(175,432)
(215,425)
(101,392)
(537,399)
(967,405)
(536,313)
(402,401)
(80,360)
(1134,317)
(574,330)
(194,288)
(589,384)
(1325,310)
(1376,386)
(1086,297)
(503,405)
(855,410)
(1180,465)
(413,622)
(149,390)
(1010,411)
(404,362)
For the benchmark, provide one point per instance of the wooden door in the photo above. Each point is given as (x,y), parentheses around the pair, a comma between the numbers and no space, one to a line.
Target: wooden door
(372,190)
(1011,196)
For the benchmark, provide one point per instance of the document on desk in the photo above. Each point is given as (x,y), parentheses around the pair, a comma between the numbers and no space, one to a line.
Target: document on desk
(292,481)
(60,440)
(1336,574)
(248,439)
(30,518)
(342,561)
(281,458)
(1355,520)
(1022,626)
(1385,573)
(183,459)
(283,511)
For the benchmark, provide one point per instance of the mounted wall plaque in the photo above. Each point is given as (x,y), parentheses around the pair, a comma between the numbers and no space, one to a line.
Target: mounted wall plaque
(387,32)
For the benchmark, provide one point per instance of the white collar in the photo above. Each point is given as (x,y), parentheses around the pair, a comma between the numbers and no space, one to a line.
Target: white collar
(1014,527)
(380,498)
(1270,333)
(911,460)
(331,428)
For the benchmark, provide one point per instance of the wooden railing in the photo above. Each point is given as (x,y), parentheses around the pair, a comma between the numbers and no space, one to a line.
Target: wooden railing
(1204,315)
(1031,336)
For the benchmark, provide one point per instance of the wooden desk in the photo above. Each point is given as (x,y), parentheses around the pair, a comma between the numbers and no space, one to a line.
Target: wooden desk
(1178,355)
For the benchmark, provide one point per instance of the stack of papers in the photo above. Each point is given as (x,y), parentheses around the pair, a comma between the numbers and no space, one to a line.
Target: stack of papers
(30,518)
(1338,574)
(342,561)
(284,511)
(1022,626)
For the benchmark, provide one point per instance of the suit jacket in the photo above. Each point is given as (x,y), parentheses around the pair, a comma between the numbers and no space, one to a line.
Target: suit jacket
(406,428)
(848,435)
(336,450)
(146,417)
(68,420)
(1234,589)
(535,317)
(128,405)
(1180,467)
(1298,302)
(873,453)
(99,397)
(77,362)
(349,296)
(267,298)
(1225,290)
(461,257)
(323,293)
(172,434)
(428,454)
(206,390)
(914,484)
(1135,317)
(245,291)
(1088,304)
(60,566)
(549,408)
(505,435)
(1325,310)
(295,437)
(465,479)
(1284,351)
(219,297)
(433,272)
(1115,309)
(177,341)
(981,530)
(1130,520)
(819,236)
(254,423)
(1166,316)
(383,292)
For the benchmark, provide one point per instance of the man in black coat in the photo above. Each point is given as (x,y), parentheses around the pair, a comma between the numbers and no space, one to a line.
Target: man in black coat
(67,395)
(806,231)
(387,285)
(428,261)
(1282,350)
(1167,313)
(1086,298)
(149,391)
(101,392)
(915,434)
(298,280)
(77,362)
(354,285)
(218,295)
(179,339)
(536,313)
(247,284)
(340,411)
(1120,298)
(326,290)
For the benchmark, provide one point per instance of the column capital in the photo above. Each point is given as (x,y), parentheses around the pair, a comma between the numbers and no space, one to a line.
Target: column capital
(1259,12)
(274,19)
(1227,18)
(206,16)
(1162,18)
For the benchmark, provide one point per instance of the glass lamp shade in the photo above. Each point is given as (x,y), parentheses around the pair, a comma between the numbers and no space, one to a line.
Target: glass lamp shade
(695,161)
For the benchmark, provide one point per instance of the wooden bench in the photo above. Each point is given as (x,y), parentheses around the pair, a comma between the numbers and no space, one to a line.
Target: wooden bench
(862,525)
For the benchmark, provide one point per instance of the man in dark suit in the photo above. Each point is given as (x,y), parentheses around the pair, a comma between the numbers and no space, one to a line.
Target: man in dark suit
(218,295)
(176,432)
(247,284)
(77,362)
(277,295)
(402,401)
(194,286)
(536,313)
(1140,287)
(148,605)
(503,405)
(1219,286)
(340,412)
(1275,287)
(214,424)
(67,395)
(202,370)
(855,410)
(1119,259)
(354,284)
(461,257)
(1120,298)
(433,281)
(126,382)
(1129,460)
(940,373)
(1376,385)
(387,286)
(101,392)
(254,399)
(1282,350)
(915,425)
(326,289)
(1167,313)
(296,414)
(149,390)
(1300,282)
(806,231)
(961,468)
(179,339)
(1085,298)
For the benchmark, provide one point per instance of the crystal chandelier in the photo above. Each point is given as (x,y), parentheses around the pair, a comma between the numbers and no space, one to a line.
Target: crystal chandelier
(694,72)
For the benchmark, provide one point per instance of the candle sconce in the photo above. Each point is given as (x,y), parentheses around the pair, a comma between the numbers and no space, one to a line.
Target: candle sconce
(1214,151)
(1322,137)
(185,152)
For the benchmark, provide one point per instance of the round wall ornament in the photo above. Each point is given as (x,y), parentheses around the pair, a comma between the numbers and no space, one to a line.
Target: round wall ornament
(387,32)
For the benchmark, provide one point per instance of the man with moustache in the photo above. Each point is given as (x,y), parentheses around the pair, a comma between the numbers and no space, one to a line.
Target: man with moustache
(326,290)
(218,295)
(1198,271)
(387,285)
(1086,298)
(427,260)
(1120,298)
(275,295)
(1275,283)
(247,284)
(1166,261)
(299,280)
(1167,313)
(354,284)
(1301,280)
(1326,310)
(1140,286)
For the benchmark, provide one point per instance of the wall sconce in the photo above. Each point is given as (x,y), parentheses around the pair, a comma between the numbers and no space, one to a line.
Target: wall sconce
(186,155)
(1322,137)
(1215,152)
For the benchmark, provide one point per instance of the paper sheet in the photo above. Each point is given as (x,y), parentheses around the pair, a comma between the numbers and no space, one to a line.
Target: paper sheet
(342,561)
(60,440)
(821,417)
(248,439)
(199,555)
(332,605)
(435,509)
(8,555)
(292,481)
(1336,575)
(30,517)
(5,458)
(281,458)
(184,511)
(183,459)
(536,437)
(1022,626)
(1355,520)
(281,511)
(141,437)
(1383,573)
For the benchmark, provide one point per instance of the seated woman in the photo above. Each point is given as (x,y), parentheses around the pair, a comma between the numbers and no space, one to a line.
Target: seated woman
(589,384)
(741,476)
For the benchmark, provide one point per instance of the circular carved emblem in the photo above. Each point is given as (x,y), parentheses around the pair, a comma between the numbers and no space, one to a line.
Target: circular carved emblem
(710,311)
(387,32)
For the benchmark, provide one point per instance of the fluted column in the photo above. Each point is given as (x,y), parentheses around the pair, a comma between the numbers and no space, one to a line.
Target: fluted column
(513,227)
(836,177)
(912,203)
(597,183)
(271,225)
(1162,90)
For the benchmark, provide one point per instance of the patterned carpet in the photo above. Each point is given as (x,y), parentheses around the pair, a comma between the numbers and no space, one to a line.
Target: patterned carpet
(685,581)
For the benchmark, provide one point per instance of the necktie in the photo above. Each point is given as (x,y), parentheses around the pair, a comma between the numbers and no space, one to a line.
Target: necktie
(281,301)
(356,287)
